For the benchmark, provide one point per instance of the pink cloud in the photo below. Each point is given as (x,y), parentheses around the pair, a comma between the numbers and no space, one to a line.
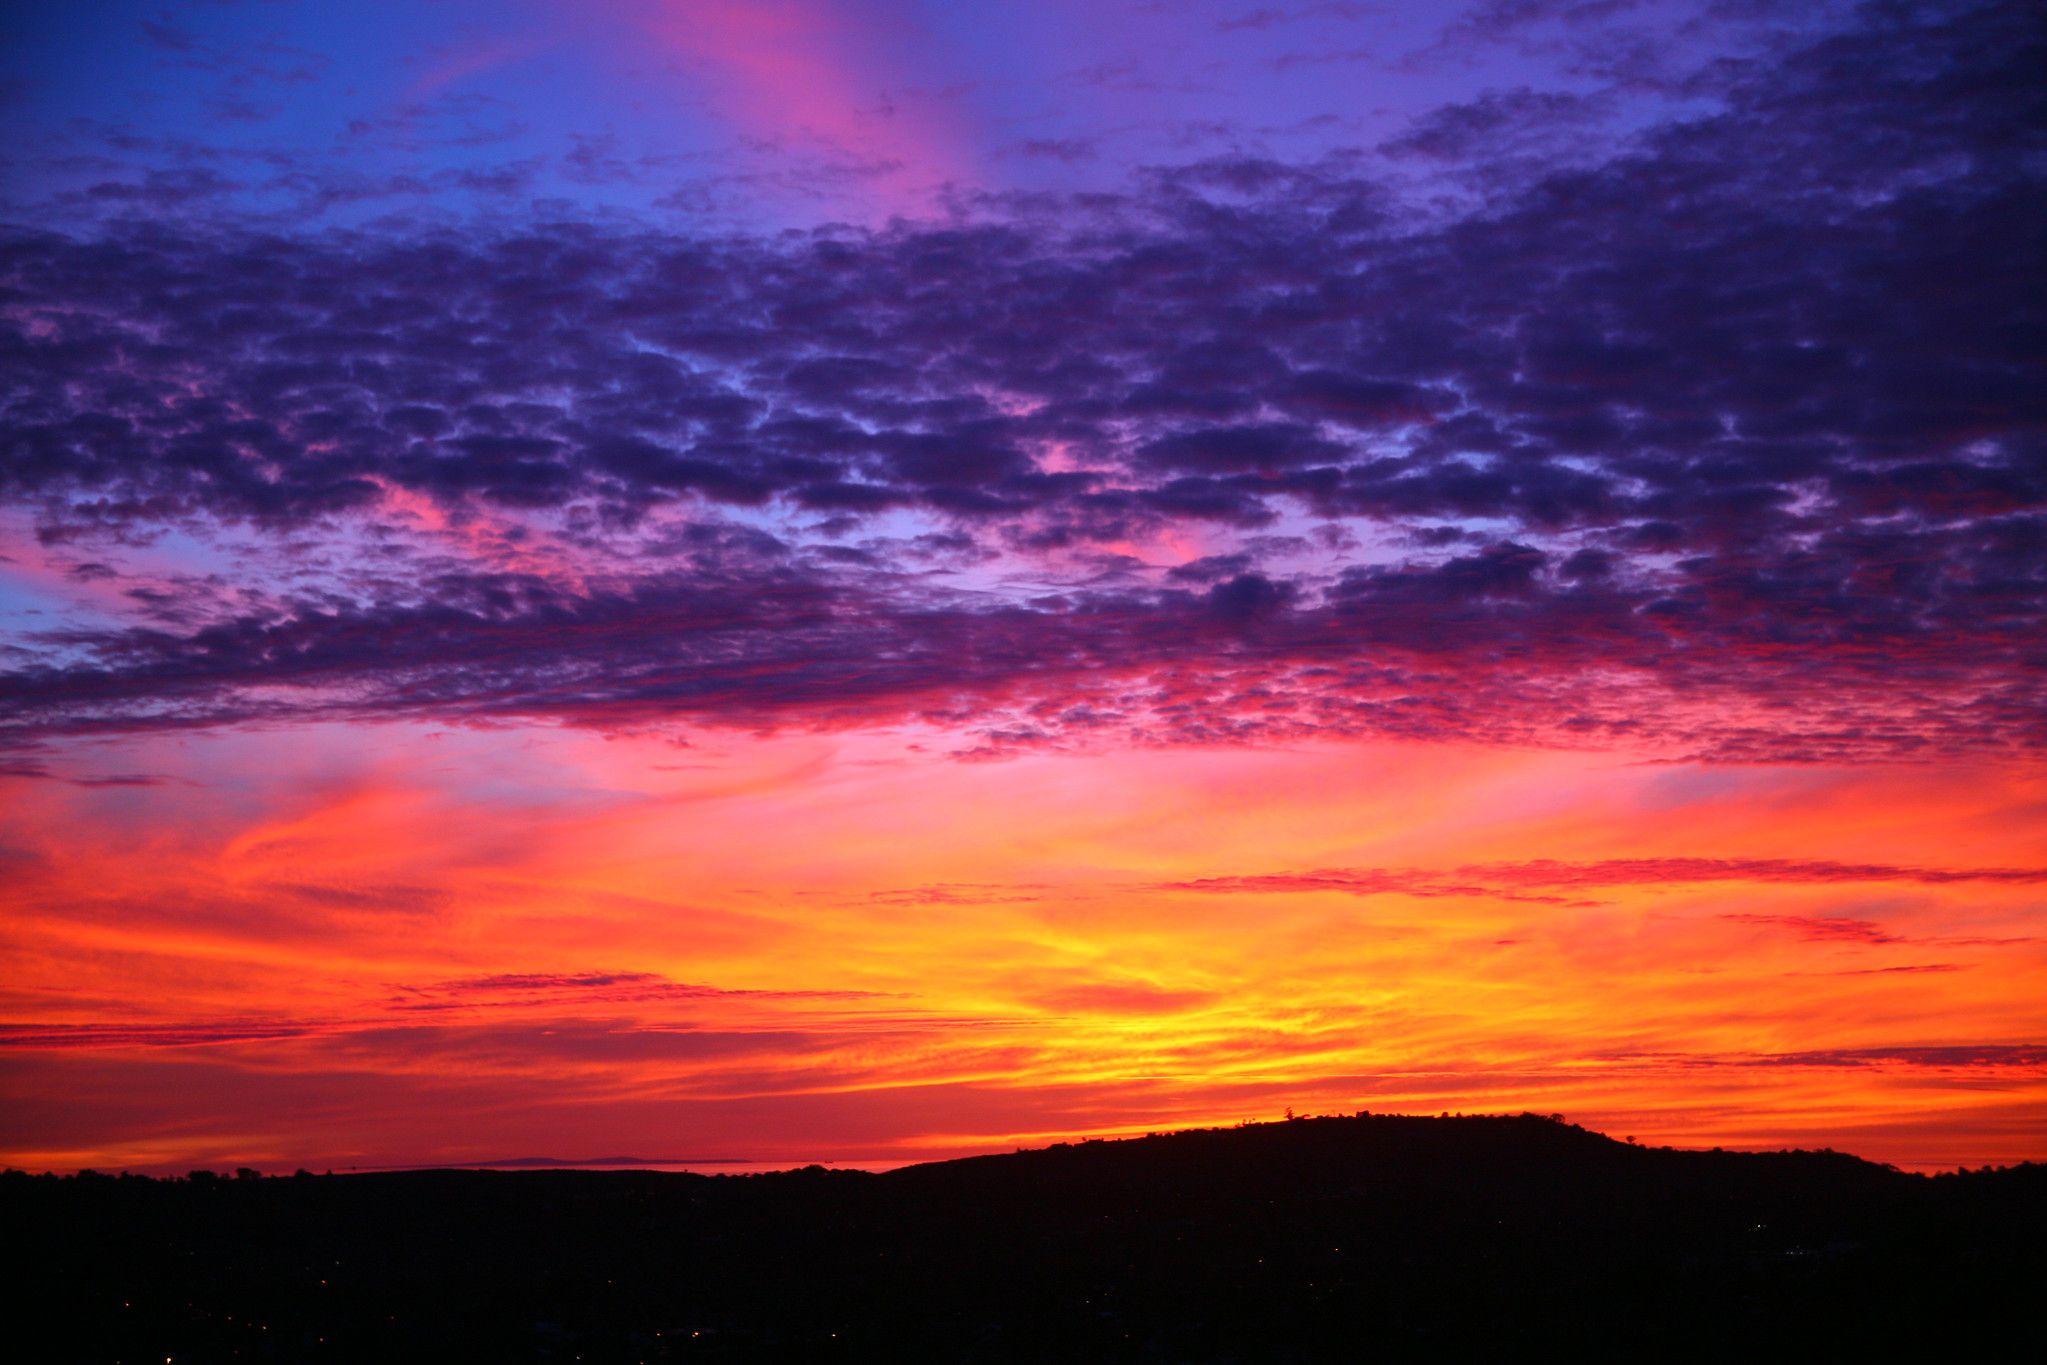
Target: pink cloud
(838,78)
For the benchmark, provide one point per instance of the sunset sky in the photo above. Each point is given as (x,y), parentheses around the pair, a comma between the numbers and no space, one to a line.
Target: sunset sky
(863,580)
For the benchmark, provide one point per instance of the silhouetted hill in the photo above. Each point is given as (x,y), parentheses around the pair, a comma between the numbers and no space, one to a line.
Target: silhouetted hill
(1316,1239)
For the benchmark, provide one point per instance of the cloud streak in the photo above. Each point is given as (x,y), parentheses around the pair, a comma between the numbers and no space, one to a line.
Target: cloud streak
(1515,881)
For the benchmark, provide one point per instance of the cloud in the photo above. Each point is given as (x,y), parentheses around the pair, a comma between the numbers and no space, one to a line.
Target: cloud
(1533,880)
(1731,464)
(1352,881)
(1635,871)
(147,1035)
(528,989)
(959,893)
(1945,1057)
(546,981)
(1267,17)
(565,1015)
(1499,123)
(1826,929)
(39,772)
(1064,149)
(1995,1056)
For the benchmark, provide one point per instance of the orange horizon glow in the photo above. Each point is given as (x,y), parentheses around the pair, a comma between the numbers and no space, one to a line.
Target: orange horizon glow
(830,948)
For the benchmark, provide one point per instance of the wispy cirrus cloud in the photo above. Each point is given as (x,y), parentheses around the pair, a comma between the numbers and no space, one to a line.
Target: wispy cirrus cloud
(1519,880)
(1989,1056)
(1822,928)
(526,990)
(43,1037)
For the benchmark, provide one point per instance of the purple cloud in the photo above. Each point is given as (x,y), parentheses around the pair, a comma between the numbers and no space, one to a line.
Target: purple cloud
(1728,442)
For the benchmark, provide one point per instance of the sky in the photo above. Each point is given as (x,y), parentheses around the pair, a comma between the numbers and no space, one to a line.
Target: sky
(863,580)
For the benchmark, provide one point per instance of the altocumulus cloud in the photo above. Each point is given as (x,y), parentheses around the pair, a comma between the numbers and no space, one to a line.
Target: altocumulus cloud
(1731,443)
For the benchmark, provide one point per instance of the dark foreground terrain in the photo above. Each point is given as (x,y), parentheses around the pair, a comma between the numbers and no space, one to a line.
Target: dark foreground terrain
(1317,1239)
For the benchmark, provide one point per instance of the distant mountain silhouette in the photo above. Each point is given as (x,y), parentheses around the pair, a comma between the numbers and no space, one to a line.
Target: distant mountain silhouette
(1316,1239)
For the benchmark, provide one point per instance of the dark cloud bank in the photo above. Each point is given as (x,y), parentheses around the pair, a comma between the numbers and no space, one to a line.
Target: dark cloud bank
(1731,444)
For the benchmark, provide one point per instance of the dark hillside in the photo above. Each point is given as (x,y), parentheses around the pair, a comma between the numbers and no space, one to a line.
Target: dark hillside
(1317,1239)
